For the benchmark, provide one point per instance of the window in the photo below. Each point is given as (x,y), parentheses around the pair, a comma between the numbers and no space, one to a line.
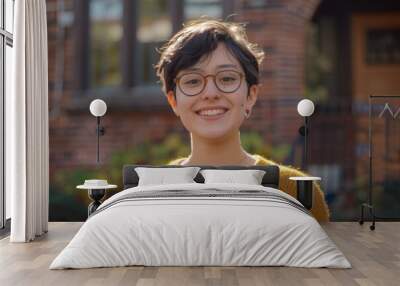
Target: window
(382,46)
(154,28)
(105,42)
(6,43)
(194,9)
(117,39)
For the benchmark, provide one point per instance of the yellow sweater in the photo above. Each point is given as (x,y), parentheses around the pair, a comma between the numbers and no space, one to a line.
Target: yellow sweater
(319,210)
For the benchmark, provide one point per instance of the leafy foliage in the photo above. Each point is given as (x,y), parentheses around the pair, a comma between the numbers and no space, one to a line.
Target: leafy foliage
(318,67)
(68,203)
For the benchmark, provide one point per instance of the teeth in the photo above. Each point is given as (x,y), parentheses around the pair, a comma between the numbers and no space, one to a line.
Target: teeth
(210,112)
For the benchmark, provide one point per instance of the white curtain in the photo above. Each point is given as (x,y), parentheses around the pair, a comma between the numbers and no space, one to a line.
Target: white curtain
(27,139)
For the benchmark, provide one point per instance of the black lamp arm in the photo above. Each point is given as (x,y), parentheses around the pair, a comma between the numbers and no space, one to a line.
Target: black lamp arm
(305,131)
(100,131)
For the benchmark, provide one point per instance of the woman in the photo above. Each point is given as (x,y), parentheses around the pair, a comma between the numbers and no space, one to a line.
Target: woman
(210,76)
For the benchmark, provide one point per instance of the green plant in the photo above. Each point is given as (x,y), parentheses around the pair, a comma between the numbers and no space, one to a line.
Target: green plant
(253,142)
(66,203)
(318,67)
(71,203)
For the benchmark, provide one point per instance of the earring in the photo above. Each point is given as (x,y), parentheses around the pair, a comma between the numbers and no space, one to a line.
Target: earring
(247,113)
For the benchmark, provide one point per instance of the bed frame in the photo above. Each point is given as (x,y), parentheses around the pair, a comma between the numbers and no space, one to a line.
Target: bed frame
(270,179)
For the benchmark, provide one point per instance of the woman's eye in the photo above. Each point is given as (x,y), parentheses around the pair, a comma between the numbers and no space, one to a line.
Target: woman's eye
(228,79)
(192,82)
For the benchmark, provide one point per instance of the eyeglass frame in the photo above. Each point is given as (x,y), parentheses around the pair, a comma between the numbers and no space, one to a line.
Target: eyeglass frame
(205,77)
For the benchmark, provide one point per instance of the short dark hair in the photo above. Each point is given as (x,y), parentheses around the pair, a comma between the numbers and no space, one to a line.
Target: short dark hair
(200,38)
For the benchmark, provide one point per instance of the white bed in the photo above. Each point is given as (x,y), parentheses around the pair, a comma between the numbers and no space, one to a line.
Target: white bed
(265,229)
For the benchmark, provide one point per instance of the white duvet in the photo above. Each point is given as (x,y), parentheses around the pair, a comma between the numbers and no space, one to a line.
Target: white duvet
(181,231)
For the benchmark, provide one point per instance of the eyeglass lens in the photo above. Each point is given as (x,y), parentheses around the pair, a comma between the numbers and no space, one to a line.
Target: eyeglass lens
(194,83)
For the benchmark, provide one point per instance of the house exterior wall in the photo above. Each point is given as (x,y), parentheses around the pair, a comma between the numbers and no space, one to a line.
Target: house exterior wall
(277,26)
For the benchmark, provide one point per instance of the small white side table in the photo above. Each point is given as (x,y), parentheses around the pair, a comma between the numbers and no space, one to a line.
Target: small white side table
(305,190)
(96,193)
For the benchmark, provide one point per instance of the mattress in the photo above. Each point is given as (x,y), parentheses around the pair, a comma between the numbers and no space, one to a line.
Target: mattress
(197,224)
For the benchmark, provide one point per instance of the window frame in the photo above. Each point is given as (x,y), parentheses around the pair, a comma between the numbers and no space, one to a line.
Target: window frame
(6,39)
(130,93)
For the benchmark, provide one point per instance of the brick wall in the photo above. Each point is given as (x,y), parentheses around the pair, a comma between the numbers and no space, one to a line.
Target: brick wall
(278,26)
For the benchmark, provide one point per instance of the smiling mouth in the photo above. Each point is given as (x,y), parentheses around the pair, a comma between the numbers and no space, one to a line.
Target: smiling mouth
(209,113)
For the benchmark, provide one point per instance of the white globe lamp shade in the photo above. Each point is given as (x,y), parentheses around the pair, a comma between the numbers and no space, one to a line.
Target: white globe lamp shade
(98,107)
(305,107)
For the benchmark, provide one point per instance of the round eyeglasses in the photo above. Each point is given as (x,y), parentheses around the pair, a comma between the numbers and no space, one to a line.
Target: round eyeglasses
(194,83)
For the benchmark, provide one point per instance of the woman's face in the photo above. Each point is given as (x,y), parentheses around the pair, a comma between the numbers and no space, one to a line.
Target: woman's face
(213,114)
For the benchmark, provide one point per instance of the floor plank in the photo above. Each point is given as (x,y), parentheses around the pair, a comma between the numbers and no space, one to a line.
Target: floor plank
(375,257)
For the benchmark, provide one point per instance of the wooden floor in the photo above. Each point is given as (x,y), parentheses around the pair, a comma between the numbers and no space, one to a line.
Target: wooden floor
(374,255)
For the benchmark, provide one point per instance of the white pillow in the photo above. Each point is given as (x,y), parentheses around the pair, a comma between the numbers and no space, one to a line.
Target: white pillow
(162,176)
(249,177)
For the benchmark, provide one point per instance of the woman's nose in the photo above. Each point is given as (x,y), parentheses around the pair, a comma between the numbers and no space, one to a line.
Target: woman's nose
(210,90)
